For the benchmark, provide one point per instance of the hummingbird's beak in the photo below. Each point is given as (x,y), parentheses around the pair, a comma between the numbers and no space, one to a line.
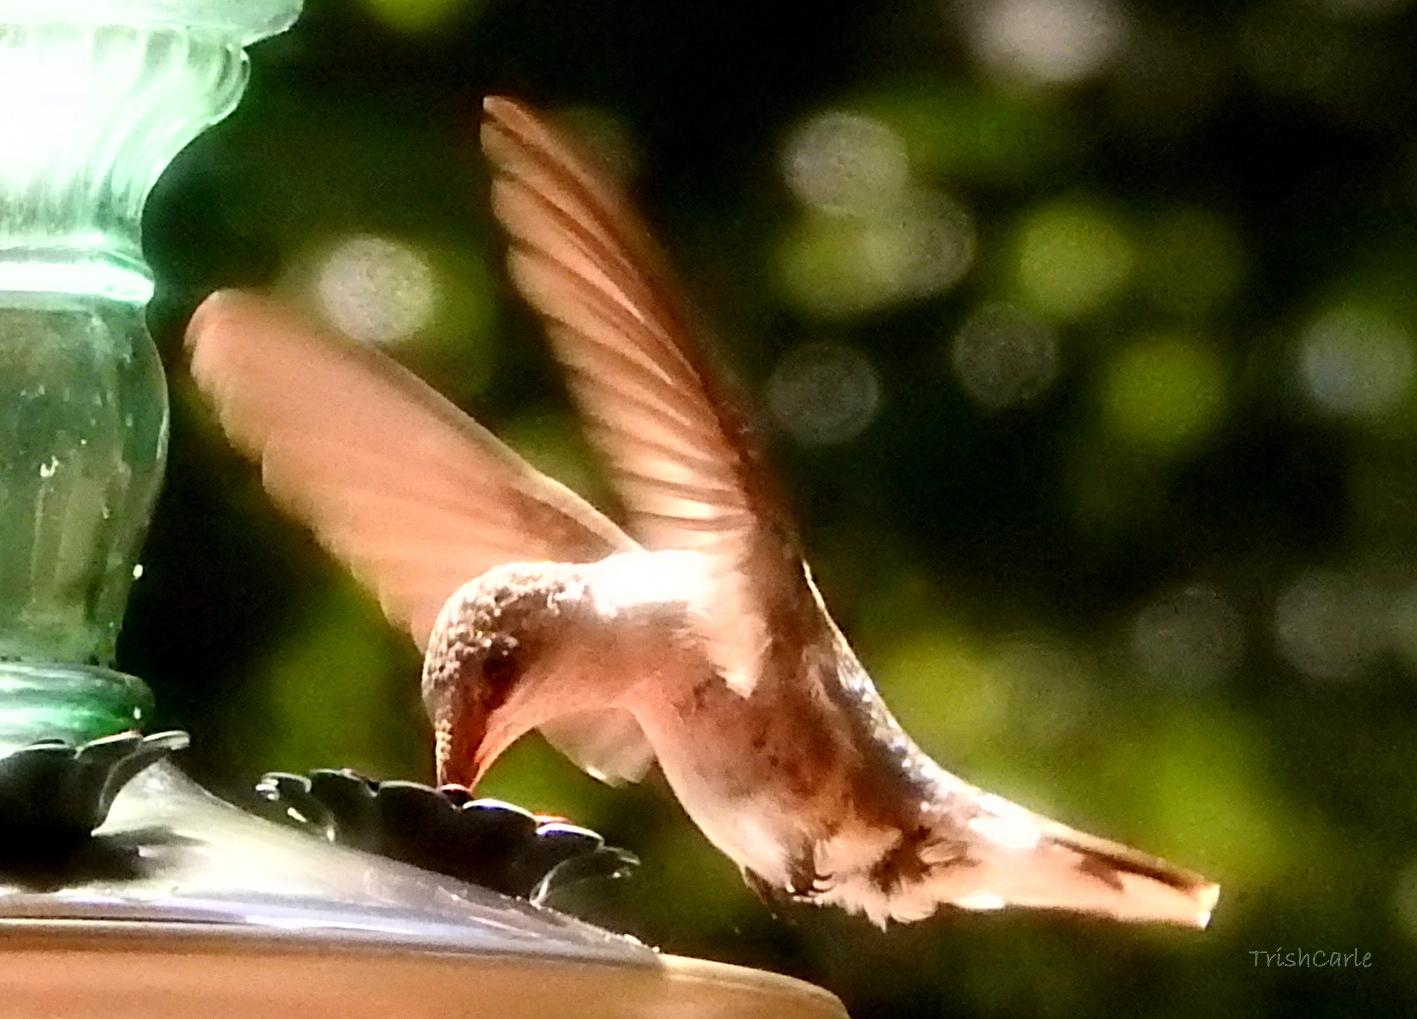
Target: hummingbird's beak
(460,769)
(460,728)
(469,737)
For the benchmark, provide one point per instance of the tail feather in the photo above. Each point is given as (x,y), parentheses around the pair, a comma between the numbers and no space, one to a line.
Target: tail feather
(1000,855)
(1019,858)
(1083,873)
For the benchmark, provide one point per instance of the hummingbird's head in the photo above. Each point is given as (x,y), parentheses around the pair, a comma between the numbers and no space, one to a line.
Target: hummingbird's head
(530,644)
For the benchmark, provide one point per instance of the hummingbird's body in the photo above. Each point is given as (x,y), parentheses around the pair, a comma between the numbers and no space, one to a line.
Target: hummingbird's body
(700,642)
(810,785)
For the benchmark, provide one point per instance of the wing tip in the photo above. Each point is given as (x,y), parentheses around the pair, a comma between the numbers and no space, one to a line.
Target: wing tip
(495,131)
(214,314)
(505,113)
(1206,897)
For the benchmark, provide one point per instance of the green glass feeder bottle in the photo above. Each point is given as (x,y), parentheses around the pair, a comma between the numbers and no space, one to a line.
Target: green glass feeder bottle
(97,99)
(178,903)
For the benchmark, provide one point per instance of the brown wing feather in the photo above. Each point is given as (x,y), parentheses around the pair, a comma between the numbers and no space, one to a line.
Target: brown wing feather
(409,492)
(683,459)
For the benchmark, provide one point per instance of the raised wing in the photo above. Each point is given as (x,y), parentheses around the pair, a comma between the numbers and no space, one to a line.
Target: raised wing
(409,492)
(682,456)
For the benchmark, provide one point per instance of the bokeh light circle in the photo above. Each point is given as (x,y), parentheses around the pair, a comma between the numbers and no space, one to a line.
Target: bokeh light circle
(1188,637)
(1328,624)
(1004,357)
(1050,42)
(845,163)
(1355,362)
(835,267)
(1072,258)
(1164,392)
(375,289)
(822,393)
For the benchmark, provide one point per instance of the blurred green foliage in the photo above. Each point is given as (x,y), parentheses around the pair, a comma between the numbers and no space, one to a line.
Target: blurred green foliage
(1139,550)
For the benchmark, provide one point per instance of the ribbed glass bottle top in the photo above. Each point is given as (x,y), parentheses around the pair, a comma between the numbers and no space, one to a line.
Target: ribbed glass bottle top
(92,114)
(239,22)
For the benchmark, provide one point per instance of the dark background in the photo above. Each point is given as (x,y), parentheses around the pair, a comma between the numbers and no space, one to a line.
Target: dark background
(1085,334)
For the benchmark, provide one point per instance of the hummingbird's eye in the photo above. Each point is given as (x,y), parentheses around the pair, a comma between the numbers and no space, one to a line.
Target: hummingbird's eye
(500,670)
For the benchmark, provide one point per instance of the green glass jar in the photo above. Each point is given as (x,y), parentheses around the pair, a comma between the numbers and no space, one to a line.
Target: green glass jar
(95,100)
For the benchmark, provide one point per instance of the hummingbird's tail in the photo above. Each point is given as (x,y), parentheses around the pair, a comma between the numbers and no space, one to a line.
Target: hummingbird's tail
(980,852)
(1082,873)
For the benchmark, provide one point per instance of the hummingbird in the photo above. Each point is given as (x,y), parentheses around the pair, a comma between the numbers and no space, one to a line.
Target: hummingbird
(693,636)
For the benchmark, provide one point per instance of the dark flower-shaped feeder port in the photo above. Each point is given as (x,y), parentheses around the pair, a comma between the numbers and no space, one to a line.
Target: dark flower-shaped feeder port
(487,842)
(54,794)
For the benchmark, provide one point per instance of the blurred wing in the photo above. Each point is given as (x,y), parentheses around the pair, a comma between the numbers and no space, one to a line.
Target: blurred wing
(683,460)
(409,492)
(606,743)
